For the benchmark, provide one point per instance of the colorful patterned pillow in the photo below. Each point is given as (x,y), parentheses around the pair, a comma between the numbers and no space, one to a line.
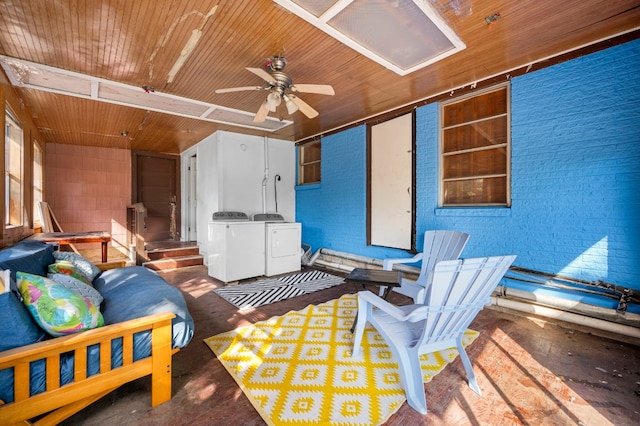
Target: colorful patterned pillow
(68,268)
(56,308)
(87,268)
(85,290)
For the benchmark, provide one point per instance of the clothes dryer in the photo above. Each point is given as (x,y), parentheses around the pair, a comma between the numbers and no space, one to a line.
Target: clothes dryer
(283,244)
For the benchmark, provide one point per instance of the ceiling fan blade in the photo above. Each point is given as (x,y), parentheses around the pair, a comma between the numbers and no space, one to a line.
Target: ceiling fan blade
(303,106)
(239,89)
(320,89)
(262,113)
(262,74)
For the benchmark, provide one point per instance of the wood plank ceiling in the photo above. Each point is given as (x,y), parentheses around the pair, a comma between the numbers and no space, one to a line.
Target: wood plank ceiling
(138,43)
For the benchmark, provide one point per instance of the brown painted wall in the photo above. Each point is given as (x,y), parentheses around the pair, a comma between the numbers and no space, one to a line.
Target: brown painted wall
(89,189)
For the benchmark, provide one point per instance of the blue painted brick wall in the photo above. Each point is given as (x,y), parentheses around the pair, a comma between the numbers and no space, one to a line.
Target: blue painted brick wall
(576,166)
(333,213)
(575,177)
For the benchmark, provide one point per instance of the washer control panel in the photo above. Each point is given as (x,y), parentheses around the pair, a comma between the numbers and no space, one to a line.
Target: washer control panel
(268,217)
(230,216)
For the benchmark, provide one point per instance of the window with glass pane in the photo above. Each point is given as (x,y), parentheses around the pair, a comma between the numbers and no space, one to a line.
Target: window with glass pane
(475,150)
(37,184)
(13,171)
(309,163)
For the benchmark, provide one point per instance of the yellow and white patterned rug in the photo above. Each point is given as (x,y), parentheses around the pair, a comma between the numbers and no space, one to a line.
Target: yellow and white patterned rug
(297,369)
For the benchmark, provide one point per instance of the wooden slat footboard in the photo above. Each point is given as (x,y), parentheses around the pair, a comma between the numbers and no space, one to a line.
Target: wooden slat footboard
(70,398)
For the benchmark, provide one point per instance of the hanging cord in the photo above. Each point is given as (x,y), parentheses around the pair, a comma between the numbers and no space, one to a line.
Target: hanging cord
(276,178)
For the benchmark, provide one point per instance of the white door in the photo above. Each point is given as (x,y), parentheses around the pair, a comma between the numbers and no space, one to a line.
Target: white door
(391,182)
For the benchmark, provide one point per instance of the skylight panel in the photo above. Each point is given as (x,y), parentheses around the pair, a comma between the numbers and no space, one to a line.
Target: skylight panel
(401,35)
(42,77)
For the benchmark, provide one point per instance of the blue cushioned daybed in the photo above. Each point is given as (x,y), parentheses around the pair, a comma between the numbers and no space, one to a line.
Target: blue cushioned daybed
(145,321)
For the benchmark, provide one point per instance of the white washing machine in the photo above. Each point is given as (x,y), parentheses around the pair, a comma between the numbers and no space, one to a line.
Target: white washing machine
(283,242)
(236,247)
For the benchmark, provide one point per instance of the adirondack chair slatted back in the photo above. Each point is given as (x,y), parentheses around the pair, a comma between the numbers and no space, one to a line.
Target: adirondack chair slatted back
(440,245)
(461,288)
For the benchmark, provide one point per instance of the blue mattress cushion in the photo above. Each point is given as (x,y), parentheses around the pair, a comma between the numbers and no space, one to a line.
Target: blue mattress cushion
(18,328)
(33,257)
(37,369)
(135,291)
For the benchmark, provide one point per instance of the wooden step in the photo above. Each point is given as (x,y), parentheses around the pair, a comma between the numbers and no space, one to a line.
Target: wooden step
(172,252)
(170,255)
(170,263)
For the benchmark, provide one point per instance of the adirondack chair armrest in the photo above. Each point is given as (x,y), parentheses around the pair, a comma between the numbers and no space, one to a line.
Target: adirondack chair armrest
(430,310)
(410,313)
(387,264)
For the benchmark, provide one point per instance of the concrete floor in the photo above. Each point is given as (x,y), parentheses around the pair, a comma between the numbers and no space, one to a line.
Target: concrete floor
(531,372)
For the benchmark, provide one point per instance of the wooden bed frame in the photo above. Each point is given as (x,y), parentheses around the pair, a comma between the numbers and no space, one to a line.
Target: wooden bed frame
(60,402)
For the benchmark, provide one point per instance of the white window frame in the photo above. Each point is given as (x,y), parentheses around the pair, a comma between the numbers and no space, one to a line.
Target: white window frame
(14,170)
(38,182)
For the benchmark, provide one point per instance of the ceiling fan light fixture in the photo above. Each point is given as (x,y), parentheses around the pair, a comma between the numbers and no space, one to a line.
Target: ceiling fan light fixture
(273,101)
(291,107)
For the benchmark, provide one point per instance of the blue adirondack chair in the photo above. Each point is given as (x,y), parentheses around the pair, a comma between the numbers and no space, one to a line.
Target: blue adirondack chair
(438,245)
(461,288)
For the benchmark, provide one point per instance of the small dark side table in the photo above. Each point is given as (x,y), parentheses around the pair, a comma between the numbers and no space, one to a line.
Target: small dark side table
(361,278)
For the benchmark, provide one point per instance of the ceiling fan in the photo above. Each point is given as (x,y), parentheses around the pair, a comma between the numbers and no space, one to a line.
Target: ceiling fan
(280,86)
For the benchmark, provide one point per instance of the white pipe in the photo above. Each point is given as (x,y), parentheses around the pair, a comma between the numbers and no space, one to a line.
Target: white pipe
(557,314)
(579,308)
(338,266)
(266,175)
(354,257)
(527,307)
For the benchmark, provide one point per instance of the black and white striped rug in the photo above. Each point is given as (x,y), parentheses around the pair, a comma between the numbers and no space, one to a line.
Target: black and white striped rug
(271,290)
